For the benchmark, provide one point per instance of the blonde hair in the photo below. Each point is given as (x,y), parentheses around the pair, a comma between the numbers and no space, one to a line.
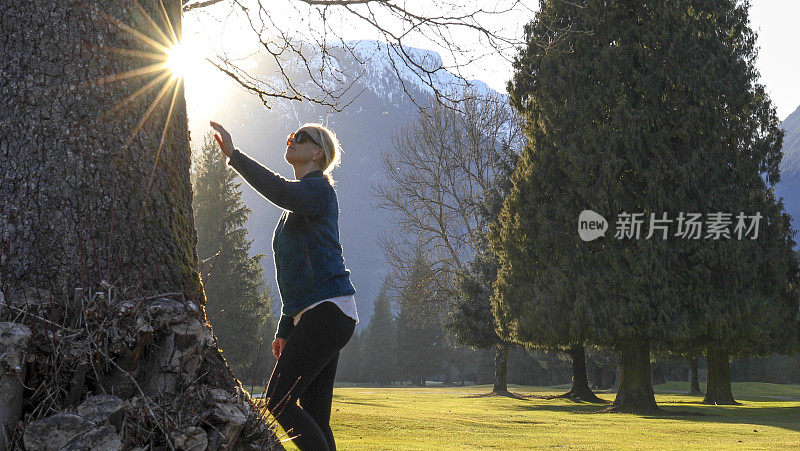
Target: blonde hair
(330,145)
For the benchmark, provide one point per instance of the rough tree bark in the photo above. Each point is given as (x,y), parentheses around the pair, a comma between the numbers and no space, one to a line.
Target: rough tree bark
(718,381)
(635,393)
(694,377)
(501,368)
(96,225)
(580,382)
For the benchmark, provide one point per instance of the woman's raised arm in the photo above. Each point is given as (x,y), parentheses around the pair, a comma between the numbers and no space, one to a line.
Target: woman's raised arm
(306,196)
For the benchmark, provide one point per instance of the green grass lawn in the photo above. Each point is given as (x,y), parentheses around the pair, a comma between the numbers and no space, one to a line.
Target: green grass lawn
(458,418)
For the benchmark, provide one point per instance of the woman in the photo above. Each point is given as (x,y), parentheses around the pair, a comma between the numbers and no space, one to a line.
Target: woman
(319,311)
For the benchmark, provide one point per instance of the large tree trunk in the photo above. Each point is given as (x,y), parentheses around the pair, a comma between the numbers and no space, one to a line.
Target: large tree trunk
(718,381)
(694,377)
(501,368)
(97,239)
(635,392)
(580,382)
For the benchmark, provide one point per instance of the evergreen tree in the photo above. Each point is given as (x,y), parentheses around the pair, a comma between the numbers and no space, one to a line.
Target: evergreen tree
(259,371)
(420,336)
(378,345)
(471,320)
(752,305)
(237,305)
(349,367)
(649,108)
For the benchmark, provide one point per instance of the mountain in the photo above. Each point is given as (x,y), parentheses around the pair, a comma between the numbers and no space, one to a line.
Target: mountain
(789,186)
(365,130)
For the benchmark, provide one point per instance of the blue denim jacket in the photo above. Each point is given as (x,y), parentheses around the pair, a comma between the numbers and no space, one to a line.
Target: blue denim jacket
(309,265)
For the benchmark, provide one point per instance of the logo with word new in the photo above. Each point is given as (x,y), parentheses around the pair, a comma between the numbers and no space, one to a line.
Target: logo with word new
(688,226)
(591,225)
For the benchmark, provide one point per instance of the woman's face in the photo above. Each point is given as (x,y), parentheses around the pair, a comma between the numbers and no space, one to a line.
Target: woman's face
(300,153)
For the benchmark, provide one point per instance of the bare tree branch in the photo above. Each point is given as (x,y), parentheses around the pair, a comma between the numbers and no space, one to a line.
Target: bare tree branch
(302,40)
(201,4)
(437,176)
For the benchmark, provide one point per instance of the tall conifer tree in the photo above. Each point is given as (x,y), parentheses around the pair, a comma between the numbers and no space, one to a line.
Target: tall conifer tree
(237,304)
(649,108)
(349,366)
(420,335)
(378,358)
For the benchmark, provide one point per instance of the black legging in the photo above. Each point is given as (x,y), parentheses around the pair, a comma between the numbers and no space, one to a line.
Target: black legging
(305,371)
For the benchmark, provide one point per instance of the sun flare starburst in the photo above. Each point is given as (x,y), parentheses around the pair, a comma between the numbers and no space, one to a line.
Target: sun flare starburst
(183,59)
(170,62)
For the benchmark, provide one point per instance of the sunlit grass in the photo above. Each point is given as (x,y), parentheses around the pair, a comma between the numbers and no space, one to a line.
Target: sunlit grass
(454,418)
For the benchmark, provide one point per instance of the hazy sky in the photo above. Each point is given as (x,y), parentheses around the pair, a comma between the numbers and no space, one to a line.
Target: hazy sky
(776,21)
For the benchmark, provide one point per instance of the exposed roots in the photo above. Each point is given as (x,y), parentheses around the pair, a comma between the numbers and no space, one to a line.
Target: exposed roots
(153,361)
(581,396)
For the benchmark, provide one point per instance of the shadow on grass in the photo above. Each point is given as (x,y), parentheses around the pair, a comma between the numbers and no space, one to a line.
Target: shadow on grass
(594,399)
(493,394)
(780,417)
(736,396)
(785,417)
(525,396)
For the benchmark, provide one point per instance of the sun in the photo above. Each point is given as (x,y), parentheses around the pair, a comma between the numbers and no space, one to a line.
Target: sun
(184,60)
(172,65)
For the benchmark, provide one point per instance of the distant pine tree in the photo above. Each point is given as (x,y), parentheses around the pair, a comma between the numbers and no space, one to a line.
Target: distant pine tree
(378,360)
(348,368)
(237,304)
(258,371)
(420,335)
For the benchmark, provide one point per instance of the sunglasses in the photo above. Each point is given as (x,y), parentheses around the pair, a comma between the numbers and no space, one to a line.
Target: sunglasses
(301,137)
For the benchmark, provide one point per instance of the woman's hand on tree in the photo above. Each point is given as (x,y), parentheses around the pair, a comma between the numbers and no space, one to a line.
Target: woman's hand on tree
(223,139)
(277,347)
